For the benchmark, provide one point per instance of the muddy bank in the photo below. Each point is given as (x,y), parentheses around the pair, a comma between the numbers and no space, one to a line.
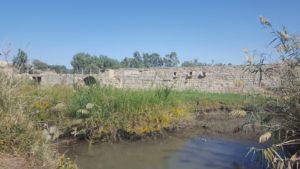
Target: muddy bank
(215,121)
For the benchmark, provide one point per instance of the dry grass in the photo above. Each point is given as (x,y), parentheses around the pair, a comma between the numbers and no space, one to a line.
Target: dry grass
(13,162)
(18,133)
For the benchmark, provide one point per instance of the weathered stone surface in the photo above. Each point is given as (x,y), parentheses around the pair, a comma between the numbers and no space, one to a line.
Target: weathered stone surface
(206,78)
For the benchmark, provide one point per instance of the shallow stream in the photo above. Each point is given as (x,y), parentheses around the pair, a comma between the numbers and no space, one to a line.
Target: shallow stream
(195,152)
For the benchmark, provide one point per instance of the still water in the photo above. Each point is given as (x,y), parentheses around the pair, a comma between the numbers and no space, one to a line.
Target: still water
(172,153)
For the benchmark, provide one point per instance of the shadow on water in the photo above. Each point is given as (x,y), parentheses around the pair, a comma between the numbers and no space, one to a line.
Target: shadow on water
(172,153)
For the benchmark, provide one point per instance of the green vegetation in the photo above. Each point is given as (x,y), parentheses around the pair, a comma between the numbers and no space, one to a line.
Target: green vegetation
(97,113)
(193,63)
(39,65)
(34,116)
(150,60)
(19,134)
(59,68)
(86,63)
(20,61)
(101,112)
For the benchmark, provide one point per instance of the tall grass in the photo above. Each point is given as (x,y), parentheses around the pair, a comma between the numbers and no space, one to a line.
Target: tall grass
(107,109)
(102,109)
(18,133)
(135,111)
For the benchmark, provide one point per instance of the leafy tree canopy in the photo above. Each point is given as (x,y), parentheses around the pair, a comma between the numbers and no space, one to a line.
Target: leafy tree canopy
(171,60)
(86,63)
(39,65)
(150,60)
(193,63)
(59,68)
(20,61)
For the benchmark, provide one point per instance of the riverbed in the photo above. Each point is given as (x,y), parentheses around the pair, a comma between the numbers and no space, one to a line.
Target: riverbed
(192,152)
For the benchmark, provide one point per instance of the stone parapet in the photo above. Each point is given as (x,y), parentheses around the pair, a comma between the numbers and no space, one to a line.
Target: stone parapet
(206,78)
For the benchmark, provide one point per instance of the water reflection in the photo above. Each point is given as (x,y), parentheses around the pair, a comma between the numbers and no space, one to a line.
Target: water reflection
(173,153)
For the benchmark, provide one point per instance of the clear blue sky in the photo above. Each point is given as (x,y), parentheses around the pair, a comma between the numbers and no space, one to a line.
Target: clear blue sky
(54,30)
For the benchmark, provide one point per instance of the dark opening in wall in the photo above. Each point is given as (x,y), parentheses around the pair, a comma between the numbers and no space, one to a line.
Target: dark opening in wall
(174,75)
(202,75)
(189,76)
(90,80)
(37,79)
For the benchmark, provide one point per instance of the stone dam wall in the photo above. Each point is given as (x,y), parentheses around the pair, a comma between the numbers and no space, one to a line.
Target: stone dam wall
(206,78)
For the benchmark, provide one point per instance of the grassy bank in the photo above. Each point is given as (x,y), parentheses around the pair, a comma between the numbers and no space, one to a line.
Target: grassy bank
(105,113)
(34,116)
(21,141)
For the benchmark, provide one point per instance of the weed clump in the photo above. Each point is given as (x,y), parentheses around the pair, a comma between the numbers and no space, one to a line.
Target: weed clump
(18,133)
(107,109)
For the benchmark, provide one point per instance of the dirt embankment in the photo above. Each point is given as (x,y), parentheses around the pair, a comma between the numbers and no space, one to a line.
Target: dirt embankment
(13,162)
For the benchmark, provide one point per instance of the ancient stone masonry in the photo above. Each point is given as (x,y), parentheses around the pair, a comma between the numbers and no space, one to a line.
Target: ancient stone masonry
(206,78)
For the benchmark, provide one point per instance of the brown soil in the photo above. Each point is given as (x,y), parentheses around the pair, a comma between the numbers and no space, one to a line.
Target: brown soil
(13,162)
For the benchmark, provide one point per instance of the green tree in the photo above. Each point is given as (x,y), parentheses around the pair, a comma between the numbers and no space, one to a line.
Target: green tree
(59,68)
(171,60)
(152,60)
(193,63)
(80,62)
(85,63)
(107,62)
(137,60)
(20,61)
(126,62)
(39,65)
(187,64)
